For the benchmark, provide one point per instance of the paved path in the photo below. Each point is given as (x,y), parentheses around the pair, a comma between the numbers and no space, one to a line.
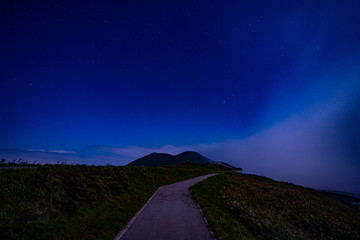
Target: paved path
(171,214)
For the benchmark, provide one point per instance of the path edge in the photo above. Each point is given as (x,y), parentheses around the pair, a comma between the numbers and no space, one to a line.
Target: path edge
(123,231)
(206,222)
(202,213)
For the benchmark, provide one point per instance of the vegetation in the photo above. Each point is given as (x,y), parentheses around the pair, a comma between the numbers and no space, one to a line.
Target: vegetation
(15,163)
(78,201)
(240,206)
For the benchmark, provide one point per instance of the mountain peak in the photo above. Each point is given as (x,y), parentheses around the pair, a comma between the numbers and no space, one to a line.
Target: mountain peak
(158,154)
(157,159)
(188,152)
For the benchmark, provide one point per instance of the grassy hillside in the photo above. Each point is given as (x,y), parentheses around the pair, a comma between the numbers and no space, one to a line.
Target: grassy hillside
(79,202)
(252,207)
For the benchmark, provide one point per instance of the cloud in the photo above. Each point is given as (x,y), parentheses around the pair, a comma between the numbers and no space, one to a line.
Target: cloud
(54,156)
(51,151)
(300,150)
(309,145)
(313,144)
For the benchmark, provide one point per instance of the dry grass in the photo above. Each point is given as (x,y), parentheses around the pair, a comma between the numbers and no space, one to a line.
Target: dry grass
(79,202)
(269,209)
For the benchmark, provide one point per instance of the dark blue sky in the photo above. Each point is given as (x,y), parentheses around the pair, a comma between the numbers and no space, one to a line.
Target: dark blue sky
(268,85)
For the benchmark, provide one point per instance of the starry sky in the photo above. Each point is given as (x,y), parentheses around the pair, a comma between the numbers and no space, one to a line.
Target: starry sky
(270,86)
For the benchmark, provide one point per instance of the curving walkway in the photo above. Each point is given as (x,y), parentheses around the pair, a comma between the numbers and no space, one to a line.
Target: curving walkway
(170,214)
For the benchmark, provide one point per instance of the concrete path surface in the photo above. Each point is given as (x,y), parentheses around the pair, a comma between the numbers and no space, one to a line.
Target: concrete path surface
(170,214)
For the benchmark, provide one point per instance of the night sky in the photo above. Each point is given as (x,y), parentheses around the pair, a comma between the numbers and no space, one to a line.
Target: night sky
(270,86)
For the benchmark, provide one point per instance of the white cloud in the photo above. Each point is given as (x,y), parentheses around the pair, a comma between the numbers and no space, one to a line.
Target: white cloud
(51,151)
(301,149)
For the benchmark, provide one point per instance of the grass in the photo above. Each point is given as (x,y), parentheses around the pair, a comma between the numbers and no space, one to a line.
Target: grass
(79,202)
(240,206)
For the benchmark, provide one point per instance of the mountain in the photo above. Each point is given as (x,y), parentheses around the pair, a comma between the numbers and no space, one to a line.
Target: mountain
(153,159)
(161,159)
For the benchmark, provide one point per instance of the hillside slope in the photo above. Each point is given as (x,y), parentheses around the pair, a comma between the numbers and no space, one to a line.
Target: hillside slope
(240,206)
(162,159)
(79,202)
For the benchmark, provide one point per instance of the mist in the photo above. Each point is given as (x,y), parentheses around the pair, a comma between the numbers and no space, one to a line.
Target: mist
(312,140)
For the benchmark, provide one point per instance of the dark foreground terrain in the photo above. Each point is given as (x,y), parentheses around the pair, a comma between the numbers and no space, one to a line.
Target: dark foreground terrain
(240,206)
(96,202)
(79,202)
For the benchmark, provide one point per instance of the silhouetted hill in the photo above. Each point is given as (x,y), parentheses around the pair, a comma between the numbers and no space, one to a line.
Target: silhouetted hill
(192,157)
(161,159)
(153,159)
